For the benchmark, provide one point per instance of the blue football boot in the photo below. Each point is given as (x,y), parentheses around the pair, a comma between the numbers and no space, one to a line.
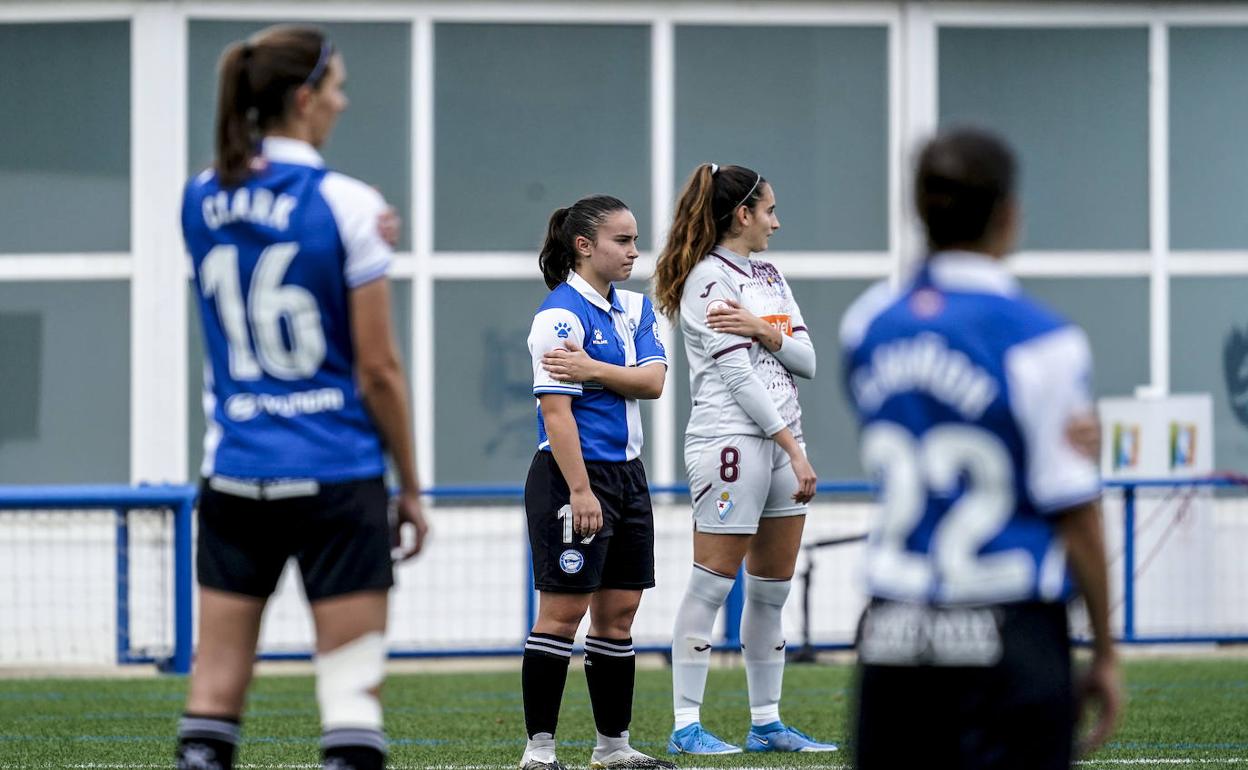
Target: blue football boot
(777,736)
(695,739)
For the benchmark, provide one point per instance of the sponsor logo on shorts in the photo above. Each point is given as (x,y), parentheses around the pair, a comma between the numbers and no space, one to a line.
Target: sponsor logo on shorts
(571,561)
(724,505)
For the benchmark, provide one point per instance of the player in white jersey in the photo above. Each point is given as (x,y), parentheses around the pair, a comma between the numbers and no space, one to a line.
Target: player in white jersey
(748,473)
(972,399)
(304,394)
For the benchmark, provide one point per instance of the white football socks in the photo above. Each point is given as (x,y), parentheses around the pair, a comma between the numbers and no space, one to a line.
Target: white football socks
(691,641)
(540,747)
(762,645)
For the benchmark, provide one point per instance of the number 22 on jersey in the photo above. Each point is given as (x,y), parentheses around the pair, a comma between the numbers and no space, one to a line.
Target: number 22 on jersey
(913,471)
(259,319)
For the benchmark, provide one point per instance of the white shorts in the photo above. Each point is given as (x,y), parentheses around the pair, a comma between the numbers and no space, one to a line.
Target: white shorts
(737,480)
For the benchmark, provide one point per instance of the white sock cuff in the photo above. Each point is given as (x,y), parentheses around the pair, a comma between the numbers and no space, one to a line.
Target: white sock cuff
(709,586)
(771,591)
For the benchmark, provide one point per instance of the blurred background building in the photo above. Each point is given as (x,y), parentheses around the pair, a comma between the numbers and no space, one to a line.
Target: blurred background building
(476,119)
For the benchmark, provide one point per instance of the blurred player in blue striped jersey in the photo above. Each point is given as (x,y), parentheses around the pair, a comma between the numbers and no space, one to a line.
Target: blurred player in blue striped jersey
(303,393)
(967,392)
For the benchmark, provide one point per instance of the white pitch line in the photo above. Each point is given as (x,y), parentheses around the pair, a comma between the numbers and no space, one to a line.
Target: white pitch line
(1163,761)
(1140,761)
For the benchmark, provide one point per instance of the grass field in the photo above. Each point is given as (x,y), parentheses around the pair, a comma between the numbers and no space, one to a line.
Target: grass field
(1182,712)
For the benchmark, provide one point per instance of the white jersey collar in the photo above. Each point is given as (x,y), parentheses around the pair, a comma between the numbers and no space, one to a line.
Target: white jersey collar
(732,259)
(591,294)
(283,149)
(970,271)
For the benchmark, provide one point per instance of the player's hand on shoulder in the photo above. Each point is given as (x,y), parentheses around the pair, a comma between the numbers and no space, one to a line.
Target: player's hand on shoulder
(1083,432)
(411,530)
(586,513)
(569,363)
(1101,684)
(389,226)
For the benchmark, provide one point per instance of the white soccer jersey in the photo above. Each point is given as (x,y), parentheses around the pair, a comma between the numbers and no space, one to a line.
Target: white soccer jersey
(738,386)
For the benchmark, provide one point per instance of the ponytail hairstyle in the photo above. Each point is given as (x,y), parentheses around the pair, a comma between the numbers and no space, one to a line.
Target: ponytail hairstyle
(558,255)
(704,215)
(258,80)
(964,179)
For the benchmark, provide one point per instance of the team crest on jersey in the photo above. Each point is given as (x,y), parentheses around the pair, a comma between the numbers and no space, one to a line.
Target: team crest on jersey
(632,324)
(724,505)
(598,338)
(562,330)
(716,304)
(571,561)
(926,303)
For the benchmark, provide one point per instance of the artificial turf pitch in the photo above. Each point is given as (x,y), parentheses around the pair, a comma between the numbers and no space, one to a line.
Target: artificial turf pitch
(1181,712)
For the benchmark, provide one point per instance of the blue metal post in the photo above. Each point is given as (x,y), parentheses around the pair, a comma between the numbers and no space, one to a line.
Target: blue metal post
(183,592)
(121,516)
(733,607)
(1128,563)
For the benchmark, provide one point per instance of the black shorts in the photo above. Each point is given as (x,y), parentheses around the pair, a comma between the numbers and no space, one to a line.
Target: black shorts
(1016,714)
(340,535)
(621,555)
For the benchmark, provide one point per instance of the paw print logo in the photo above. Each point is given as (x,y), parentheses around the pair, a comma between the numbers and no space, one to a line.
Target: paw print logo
(562,330)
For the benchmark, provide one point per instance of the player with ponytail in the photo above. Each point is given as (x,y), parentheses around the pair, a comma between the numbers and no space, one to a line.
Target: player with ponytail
(304,398)
(596,352)
(745,340)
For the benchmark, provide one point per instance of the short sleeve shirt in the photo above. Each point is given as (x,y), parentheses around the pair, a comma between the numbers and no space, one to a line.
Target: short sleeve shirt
(621,330)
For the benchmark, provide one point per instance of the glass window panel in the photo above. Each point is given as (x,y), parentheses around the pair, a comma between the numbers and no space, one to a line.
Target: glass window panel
(485,423)
(819,132)
(1208,121)
(532,117)
(66,97)
(401,314)
(485,426)
(65,382)
(828,425)
(828,422)
(1074,103)
(1114,313)
(372,139)
(1209,354)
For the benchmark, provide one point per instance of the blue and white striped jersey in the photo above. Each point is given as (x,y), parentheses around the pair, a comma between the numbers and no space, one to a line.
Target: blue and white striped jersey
(274,260)
(622,331)
(963,387)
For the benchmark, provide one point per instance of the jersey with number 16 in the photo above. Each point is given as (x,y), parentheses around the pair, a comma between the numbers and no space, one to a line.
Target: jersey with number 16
(274,260)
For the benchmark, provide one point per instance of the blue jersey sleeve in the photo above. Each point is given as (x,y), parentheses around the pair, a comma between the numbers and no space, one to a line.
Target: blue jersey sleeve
(646,337)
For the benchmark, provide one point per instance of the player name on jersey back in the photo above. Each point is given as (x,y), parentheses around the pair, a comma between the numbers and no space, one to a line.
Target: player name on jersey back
(927,364)
(257,206)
